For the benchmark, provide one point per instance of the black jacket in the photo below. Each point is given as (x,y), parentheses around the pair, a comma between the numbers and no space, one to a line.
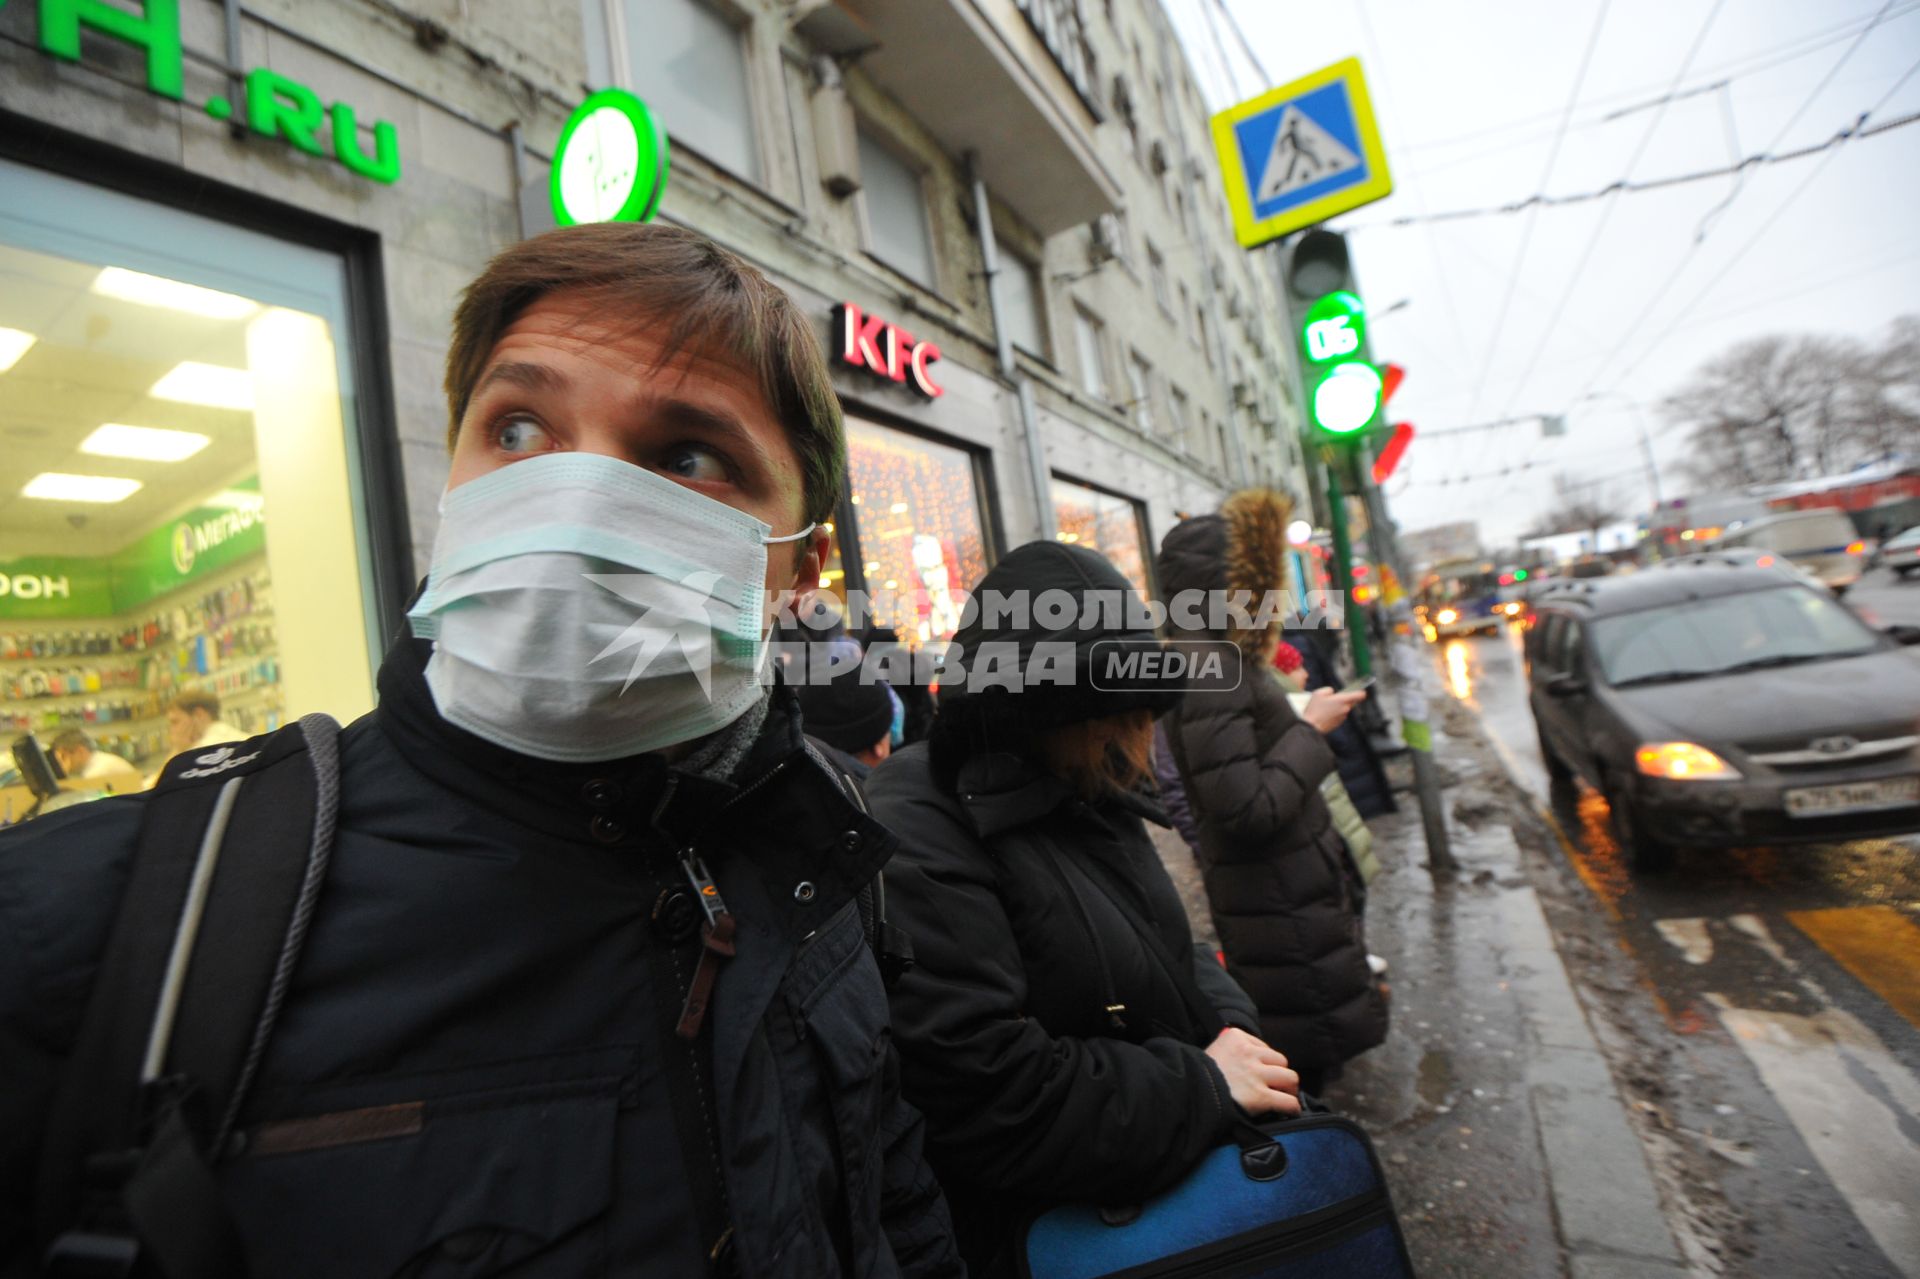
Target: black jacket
(498,940)
(1360,770)
(1053,1027)
(1274,866)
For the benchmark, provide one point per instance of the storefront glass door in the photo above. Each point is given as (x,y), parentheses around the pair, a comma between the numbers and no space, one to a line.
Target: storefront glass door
(181,518)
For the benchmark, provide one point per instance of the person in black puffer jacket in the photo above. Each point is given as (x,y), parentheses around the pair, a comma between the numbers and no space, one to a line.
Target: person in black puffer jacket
(1058,1029)
(1274,866)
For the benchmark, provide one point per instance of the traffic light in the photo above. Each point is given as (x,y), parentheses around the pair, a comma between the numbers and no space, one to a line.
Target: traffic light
(1344,389)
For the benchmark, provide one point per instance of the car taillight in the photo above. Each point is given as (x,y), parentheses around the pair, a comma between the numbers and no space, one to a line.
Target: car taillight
(1856,548)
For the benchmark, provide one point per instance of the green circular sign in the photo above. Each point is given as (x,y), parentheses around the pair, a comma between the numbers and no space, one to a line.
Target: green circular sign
(611,164)
(1347,398)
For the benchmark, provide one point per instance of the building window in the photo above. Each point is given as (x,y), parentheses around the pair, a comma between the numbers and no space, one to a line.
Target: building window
(689,63)
(1090,337)
(1140,376)
(919,529)
(1205,334)
(896,207)
(1186,312)
(185,506)
(1181,410)
(1105,522)
(1022,304)
(1157,271)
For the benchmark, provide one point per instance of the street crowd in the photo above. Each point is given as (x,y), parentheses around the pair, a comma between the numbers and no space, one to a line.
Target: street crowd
(625,958)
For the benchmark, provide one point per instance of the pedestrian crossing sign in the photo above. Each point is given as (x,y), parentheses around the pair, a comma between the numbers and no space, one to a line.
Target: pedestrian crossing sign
(1301,153)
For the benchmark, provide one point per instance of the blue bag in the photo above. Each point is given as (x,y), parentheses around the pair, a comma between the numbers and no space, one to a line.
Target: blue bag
(1301,1199)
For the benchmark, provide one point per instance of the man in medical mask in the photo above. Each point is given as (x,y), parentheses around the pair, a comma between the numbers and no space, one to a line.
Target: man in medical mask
(586,990)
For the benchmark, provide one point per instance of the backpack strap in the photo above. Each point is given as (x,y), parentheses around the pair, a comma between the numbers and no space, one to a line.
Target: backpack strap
(892,948)
(232,854)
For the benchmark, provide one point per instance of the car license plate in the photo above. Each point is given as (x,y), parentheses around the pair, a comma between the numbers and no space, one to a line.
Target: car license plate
(1852,797)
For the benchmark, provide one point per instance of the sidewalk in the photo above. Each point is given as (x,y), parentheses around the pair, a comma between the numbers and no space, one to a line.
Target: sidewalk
(1506,1142)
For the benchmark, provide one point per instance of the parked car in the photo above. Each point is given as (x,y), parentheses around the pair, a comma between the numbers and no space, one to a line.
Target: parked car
(1746,556)
(1823,541)
(1721,704)
(1901,553)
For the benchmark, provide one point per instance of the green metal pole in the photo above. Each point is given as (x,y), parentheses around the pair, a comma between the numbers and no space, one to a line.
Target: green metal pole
(1337,459)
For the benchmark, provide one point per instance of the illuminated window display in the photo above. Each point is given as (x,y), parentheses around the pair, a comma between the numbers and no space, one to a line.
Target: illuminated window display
(920,529)
(177,504)
(1106,522)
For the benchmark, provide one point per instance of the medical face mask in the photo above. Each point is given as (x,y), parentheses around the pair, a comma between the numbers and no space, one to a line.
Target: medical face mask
(582,608)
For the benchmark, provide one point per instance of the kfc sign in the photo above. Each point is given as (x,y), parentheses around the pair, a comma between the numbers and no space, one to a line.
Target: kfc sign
(885,350)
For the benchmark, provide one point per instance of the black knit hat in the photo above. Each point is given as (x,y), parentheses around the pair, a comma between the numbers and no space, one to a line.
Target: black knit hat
(845,713)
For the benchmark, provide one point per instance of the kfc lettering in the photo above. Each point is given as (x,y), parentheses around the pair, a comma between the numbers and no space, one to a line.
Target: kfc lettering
(885,350)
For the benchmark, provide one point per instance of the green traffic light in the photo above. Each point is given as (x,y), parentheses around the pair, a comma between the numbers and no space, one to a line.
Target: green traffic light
(1347,398)
(1519,575)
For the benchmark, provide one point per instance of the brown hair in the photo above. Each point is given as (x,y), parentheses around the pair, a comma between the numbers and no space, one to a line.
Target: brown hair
(196,700)
(1112,753)
(72,739)
(704,297)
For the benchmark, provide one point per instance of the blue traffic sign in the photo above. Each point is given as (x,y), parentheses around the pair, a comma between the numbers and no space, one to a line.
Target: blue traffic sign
(1301,153)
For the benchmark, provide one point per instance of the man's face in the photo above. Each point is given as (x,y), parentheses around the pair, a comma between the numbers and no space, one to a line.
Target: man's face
(71,759)
(184,728)
(558,380)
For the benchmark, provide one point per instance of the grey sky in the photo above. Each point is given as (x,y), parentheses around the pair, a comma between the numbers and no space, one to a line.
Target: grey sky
(1469,94)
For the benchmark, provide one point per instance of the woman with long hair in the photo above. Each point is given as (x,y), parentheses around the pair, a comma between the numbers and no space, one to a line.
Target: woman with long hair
(1060,1032)
(1283,902)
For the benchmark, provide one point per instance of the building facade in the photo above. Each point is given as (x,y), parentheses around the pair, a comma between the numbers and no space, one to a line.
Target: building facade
(233,235)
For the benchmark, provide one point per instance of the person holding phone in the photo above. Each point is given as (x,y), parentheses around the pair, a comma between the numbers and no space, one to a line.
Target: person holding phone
(1282,900)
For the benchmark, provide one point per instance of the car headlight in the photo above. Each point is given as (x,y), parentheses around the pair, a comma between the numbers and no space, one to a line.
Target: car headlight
(1446,615)
(1682,762)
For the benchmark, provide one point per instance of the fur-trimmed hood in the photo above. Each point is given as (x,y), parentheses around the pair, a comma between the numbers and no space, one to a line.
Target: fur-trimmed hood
(1242,548)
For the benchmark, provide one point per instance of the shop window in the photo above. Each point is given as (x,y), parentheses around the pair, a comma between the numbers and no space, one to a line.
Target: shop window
(1107,523)
(180,501)
(1022,306)
(920,529)
(1090,336)
(896,207)
(689,63)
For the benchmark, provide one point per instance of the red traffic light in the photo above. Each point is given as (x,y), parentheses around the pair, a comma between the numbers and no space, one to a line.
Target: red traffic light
(1396,445)
(1391,376)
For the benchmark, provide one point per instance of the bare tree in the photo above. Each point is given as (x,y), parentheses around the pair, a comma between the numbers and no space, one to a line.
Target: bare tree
(1779,408)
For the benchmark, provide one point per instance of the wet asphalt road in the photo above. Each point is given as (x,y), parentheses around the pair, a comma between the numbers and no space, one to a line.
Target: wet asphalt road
(1779,1058)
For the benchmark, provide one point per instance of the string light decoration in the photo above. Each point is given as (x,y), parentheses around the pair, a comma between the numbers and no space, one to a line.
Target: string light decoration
(1104,523)
(921,532)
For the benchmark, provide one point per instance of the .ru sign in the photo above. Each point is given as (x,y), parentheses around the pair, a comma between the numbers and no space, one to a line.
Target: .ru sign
(275,105)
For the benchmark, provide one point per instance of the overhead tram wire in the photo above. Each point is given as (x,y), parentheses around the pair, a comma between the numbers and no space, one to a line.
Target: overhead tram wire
(1246,46)
(1526,234)
(1374,51)
(1733,69)
(1212,24)
(1740,182)
(1848,133)
(1606,213)
(1673,277)
(1679,317)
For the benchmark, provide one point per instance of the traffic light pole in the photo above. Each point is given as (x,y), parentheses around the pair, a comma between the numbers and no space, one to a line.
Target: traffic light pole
(1356,619)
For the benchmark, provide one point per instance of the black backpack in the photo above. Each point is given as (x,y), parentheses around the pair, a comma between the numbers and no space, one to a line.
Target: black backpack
(191,982)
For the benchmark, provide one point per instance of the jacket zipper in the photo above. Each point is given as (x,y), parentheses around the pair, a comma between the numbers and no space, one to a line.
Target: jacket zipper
(1279,1241)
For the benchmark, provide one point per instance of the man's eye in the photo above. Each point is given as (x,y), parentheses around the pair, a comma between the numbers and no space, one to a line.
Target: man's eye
(522,435)
(692,462)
